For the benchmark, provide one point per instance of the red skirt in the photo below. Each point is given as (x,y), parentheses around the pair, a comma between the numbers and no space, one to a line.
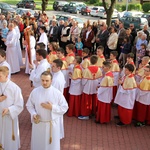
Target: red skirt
(74,105)
(125,114)
(148,115)
(94,103)
(66,94)
(86,105)
(103,114)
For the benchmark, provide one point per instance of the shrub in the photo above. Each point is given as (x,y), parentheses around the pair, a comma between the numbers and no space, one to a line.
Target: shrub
(123,7)
(146,7)
(131,7)
(118,7)
(93,1)
(138,7)
(98,4)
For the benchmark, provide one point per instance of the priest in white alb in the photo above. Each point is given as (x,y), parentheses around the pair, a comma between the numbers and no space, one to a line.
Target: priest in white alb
(11,105)
(11,50)
(46,105)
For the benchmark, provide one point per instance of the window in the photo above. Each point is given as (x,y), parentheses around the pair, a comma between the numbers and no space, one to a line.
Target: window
(119,0)
(129,1)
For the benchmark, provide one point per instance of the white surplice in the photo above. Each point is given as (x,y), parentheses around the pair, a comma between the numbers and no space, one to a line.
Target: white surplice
(33,54)
(125,98)
(19,52)
(35,75)
(5,63)
(75,87)
(43,39)
(11,51)
(58,82)
(14,102)
(41,131)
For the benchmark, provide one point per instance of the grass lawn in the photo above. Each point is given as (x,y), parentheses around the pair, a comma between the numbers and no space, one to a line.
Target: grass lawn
(38,3)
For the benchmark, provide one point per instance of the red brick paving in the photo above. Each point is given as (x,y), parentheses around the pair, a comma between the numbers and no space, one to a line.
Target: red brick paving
(85,134)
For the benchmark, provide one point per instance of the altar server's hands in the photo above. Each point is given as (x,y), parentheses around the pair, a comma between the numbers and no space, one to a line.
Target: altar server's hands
(2,98)
(5,111)
(47,105)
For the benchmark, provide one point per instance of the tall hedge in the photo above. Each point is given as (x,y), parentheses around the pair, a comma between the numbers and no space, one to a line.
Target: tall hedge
(146,7)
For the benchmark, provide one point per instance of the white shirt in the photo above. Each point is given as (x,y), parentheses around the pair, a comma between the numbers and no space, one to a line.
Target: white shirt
(35,75)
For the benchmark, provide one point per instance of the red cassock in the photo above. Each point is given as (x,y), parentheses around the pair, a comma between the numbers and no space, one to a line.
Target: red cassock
(75,92)
(103,114)
(142,105)
(91,76)
(125,114)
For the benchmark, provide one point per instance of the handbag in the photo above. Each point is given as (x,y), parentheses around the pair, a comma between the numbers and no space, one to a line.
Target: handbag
(64,39)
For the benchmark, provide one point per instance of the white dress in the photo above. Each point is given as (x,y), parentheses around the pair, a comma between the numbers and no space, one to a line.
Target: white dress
(14,102)
(11,51)
(33,55)
(19,52)
(41,131)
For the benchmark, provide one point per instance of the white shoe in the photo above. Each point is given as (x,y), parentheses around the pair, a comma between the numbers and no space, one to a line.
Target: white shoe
(83,117)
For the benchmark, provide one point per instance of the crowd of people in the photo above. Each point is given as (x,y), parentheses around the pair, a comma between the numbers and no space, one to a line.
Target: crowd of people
(81,72)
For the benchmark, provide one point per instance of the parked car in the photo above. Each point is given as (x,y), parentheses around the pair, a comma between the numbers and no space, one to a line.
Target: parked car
(26,4)
(138,22)
(85,10)
(75,7)
(5,8)
(65,18)
(102,13)
(147,16)
(95,11)
(65,7)
(21,11)
(58,5)
(129,13)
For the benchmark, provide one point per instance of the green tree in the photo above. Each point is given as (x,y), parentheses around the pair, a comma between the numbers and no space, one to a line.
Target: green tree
(109,10)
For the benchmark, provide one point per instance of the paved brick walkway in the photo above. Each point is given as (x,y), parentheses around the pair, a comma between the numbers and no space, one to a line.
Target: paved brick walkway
(86,135)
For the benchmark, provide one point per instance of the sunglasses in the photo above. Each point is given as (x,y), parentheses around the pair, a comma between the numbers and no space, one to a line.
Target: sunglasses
(131,26)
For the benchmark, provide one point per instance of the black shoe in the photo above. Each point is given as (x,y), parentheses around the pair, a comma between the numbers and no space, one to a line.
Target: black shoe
(120,124)
(140,124)
(116,117)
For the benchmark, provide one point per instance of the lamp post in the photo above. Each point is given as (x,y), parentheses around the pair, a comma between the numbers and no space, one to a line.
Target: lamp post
(127,5)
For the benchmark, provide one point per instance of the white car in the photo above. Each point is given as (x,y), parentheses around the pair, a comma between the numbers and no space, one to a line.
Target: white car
(95,11)
(102,13)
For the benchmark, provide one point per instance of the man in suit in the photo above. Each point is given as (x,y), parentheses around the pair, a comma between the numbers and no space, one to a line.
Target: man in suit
(121,36)
(53,32)
(102,37)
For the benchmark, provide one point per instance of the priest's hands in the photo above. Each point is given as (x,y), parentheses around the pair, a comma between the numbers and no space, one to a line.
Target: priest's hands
(5,111)
(2,98)
(36,119)
(47,105)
